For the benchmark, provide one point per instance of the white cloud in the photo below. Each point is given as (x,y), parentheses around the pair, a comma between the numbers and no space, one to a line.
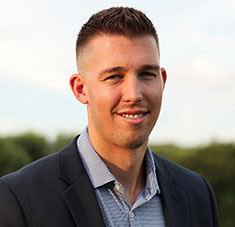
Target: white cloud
(34,66)
(10,126)
(187,128)
(192,127)
(205,78)
(32,50)
(202,72)
(223,6)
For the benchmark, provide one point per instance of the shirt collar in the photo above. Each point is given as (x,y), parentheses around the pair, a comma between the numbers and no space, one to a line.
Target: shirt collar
(99,173)
(152,186)
(95,167)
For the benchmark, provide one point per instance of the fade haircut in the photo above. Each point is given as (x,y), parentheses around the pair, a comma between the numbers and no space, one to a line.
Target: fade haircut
(124,21)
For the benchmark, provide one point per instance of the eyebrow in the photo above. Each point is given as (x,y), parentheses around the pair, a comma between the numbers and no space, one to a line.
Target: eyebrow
(120,68)
(150,67)
(112,70)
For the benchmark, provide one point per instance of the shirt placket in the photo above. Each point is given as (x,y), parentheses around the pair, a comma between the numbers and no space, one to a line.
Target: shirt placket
(120,191)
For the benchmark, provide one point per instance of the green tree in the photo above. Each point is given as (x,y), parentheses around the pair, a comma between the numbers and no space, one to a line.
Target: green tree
(60,141)
(216,162)
(36,146)
(12,157)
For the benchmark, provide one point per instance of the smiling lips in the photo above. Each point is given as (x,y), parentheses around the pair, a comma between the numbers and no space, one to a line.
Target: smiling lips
(133,116)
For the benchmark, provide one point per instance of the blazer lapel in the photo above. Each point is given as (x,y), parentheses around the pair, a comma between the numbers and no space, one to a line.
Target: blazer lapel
(81,202)
(173,198)
(79,197)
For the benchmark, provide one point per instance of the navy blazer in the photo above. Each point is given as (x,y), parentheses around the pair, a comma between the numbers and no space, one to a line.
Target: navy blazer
(55,191)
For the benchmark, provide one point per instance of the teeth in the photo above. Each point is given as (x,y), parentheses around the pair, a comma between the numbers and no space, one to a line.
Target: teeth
(133,116)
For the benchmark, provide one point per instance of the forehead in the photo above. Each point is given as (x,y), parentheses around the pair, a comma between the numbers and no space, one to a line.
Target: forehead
(111,50)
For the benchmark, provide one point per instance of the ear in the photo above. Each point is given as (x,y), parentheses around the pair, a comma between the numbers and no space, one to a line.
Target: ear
(164,76)
(78,86)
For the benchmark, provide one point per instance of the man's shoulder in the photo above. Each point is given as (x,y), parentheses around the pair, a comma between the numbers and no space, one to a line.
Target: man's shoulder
(43,169)
(35,193)
(42,166)
(192,186)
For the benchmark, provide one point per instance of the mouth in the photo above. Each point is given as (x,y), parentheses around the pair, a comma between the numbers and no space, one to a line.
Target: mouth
(133,116)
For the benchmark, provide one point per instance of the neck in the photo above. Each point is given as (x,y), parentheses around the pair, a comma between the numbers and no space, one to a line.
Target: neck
(131,174)
(127,166)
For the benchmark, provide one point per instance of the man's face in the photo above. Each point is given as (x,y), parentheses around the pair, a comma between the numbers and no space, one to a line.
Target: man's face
(122,87)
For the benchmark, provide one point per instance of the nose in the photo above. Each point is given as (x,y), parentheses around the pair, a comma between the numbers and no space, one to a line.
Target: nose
(132,90)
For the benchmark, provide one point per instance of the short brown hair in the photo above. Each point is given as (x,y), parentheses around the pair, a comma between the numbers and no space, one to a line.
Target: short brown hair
(116,21)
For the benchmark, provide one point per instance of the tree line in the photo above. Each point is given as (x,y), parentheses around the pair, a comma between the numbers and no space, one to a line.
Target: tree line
(215,161)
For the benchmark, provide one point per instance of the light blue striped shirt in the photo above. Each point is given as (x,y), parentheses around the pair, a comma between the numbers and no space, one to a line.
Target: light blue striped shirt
(114,204)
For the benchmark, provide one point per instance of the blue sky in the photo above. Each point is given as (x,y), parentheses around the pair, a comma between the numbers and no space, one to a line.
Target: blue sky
(197,42)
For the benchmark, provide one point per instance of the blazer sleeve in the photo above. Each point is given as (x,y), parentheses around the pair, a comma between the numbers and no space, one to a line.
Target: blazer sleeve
(11,213)
(215,215)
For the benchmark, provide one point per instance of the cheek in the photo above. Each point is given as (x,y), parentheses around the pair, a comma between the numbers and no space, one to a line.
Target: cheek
(154,96)
(109,97)
(102,100)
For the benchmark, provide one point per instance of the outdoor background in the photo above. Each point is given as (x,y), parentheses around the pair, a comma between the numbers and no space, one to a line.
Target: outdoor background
(197,44)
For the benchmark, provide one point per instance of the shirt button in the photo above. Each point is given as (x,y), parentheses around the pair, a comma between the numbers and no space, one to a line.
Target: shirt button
(132,214)
(117,187)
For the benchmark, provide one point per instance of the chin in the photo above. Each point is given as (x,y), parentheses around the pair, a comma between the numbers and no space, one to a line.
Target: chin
(133,143)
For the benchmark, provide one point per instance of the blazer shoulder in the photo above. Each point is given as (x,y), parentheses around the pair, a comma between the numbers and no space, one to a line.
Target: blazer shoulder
(196,188)
(42,166)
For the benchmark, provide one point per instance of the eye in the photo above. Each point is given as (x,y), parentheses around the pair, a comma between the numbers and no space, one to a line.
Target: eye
(114,77)
(148,75)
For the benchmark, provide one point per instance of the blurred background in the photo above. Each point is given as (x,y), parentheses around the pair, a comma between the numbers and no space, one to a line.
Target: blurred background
(39,115)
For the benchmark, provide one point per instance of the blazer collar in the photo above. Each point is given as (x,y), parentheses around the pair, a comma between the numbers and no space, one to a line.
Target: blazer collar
(79,197)
(173,197)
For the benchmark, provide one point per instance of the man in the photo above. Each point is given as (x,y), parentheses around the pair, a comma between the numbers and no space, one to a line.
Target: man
(108,176)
